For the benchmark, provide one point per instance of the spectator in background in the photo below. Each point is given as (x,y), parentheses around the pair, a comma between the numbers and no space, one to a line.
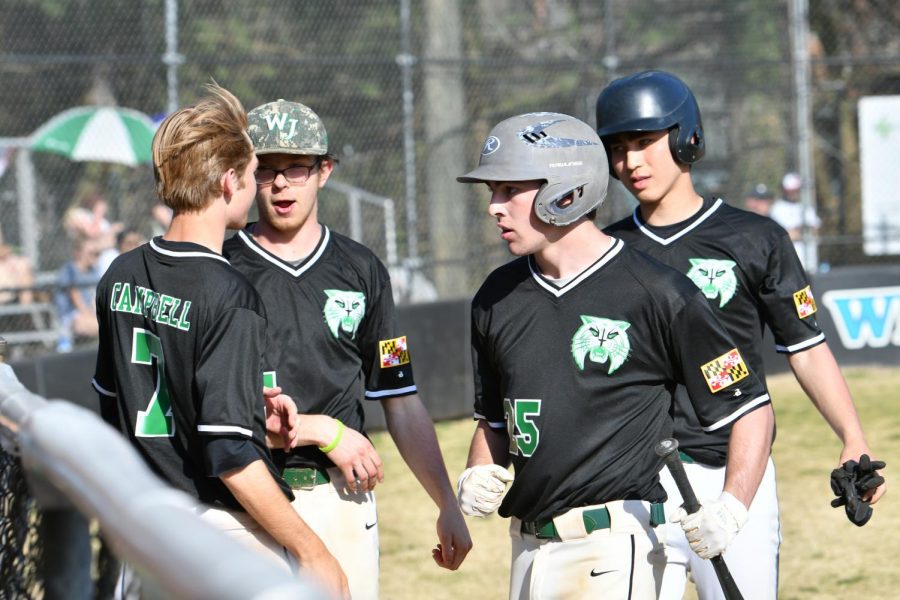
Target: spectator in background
(16,277)
(77,281)
(759,200)
(87,219)
(127,239)
(162,216)
(790,213)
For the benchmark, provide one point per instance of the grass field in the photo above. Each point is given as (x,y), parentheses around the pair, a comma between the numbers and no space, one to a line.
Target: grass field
(823,555)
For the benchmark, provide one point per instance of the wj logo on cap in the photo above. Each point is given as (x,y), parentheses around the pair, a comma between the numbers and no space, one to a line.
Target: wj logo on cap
(278,121)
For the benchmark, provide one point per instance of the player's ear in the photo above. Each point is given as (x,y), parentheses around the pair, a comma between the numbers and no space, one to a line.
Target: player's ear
(325,169)
(229,183)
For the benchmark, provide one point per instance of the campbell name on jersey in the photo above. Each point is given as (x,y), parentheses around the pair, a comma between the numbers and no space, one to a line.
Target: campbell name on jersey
(179,365)
(746,267)
(581,376)
(333,339)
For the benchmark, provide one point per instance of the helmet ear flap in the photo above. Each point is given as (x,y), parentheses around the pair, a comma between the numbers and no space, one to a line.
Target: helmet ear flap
(687,146)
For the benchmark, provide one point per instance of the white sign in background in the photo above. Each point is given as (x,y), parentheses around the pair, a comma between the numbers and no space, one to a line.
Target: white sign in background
(879,154)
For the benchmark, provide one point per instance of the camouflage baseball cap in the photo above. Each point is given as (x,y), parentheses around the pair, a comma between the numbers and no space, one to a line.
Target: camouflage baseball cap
(283,127)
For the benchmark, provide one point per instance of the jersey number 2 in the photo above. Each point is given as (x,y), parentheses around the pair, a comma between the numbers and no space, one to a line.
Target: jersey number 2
(157,420)
(520,416)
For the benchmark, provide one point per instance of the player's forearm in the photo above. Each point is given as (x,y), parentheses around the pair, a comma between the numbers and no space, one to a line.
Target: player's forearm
(316,429)
(488,446)
(413,432)
(748,453)
(821,379)
(263,500)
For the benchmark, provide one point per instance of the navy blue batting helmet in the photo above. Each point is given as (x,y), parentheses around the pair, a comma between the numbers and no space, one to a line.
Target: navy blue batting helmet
(653,101)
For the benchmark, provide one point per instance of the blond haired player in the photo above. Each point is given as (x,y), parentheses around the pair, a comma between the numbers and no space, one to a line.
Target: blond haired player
(180,361)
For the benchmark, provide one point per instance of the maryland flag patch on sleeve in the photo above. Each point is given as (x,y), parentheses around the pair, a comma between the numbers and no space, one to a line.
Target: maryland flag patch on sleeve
(805,302)
(725,370)
(393,352)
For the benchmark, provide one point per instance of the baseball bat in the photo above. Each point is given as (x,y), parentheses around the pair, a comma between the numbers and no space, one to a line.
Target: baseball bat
(667,449)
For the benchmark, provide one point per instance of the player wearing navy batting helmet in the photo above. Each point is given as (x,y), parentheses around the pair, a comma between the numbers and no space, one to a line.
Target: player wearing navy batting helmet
(746,267)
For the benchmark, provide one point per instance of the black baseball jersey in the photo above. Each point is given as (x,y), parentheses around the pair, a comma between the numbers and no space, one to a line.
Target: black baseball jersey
(581,376)
(333,339)
(179,365)
(748,270)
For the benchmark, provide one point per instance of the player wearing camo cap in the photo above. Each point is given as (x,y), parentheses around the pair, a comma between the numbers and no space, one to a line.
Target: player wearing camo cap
(577,345)
(336,343)
(747,269)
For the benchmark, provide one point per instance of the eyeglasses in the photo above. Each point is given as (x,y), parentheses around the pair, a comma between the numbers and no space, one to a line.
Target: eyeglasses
(296,174)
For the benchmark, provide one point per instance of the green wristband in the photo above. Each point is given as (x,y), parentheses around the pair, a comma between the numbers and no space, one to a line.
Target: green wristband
(336,440)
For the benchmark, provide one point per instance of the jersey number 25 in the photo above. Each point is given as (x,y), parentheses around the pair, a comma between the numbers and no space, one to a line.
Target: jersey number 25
(523,433)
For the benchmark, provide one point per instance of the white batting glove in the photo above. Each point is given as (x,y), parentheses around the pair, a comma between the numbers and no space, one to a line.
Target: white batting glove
(481,488)
(714,526)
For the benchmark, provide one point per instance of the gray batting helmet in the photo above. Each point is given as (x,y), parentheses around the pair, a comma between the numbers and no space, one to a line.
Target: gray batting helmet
(284,127)
(653,101)
(563,151)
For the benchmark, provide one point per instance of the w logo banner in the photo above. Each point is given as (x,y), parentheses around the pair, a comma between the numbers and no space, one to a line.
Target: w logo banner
(865,317)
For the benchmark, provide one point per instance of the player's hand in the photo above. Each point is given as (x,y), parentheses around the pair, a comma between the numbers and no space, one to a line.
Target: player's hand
(323,567)
(282,424)
(714,526)
(854,453)
(481,488)
(455,541)
(357,459)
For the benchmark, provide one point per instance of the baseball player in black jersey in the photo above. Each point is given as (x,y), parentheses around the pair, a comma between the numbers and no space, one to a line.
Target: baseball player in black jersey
(746,267)
(577,345)
(179,365)
(335,345)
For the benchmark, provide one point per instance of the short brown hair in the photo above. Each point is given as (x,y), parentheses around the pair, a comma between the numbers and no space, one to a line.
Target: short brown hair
(196,145)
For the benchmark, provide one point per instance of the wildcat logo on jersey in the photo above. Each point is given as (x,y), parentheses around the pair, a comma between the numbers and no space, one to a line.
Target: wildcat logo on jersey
(601,340)
(715,278)
(805,302)
(393,352)
(343,311)
(725,370)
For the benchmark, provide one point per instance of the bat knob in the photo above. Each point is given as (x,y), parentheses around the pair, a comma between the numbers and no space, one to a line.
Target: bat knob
(666,447)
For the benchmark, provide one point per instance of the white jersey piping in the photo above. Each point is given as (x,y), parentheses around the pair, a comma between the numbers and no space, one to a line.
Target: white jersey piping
(615,247)
(254,245)
(666,241)
(738,413)
(187,254)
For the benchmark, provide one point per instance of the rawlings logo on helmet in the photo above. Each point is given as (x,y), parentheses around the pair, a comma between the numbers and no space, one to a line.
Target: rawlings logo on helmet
(490,145)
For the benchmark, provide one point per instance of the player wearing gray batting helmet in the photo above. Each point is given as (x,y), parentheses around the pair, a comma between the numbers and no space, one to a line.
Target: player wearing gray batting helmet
(563,151)
(576,346)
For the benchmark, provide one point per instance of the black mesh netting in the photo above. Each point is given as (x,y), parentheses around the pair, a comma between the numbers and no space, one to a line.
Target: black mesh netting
(20,544)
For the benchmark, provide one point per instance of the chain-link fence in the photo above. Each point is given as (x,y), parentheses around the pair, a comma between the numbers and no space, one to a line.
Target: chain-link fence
(409,89)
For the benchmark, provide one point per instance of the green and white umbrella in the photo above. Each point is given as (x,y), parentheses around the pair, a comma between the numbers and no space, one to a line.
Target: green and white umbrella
(98,133)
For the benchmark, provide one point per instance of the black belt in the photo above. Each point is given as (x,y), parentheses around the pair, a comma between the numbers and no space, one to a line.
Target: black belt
(594,520)
(304,479)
